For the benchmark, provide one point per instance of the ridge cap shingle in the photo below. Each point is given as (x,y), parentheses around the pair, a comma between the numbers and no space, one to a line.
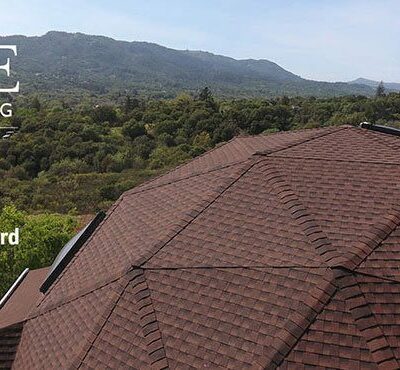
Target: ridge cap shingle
(149,323)
(345,283)
(147,317)
(300,213)
(365,320)
(376,235)
(297,324)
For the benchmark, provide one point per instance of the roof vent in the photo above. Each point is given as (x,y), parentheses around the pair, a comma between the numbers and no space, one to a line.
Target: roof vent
(380,128)
(69,250)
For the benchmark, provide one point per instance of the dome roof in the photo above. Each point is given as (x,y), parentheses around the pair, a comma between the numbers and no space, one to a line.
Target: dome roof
(270,251)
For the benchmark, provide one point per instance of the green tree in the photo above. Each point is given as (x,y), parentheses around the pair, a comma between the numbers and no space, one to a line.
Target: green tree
(380,90)
(206,95)
(225,132)
(164,157)
(130,104)
(143,146)
(104,113)
(41,238)
(133,129)
(36,104)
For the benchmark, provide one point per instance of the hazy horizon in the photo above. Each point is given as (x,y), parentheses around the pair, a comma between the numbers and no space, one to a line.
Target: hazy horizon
(316,40)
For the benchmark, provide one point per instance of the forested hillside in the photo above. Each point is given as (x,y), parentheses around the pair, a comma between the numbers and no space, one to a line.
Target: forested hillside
(59,62)
(81,157)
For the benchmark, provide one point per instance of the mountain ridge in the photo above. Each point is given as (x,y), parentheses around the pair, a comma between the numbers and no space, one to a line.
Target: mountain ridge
(61,61)
(394,86)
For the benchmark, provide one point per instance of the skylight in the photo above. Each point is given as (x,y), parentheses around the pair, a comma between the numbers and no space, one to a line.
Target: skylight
(69,250)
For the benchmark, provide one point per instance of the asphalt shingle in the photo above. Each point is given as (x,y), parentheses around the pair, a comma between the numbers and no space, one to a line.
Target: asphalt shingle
(278,251)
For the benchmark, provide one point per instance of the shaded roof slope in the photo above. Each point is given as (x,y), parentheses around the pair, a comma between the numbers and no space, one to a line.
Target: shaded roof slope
(14,313)
(262,253)
(23,299)
(10,337)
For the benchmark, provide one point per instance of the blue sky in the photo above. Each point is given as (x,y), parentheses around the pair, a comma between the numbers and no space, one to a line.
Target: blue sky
(334,40)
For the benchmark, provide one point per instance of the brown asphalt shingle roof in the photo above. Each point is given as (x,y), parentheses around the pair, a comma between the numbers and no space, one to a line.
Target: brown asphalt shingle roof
(23,299)
(277,251)
(9,340)
(14,313)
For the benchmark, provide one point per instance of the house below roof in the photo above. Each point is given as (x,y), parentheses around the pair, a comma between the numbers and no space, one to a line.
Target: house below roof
(278,251)
(14,309)
(23,298)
